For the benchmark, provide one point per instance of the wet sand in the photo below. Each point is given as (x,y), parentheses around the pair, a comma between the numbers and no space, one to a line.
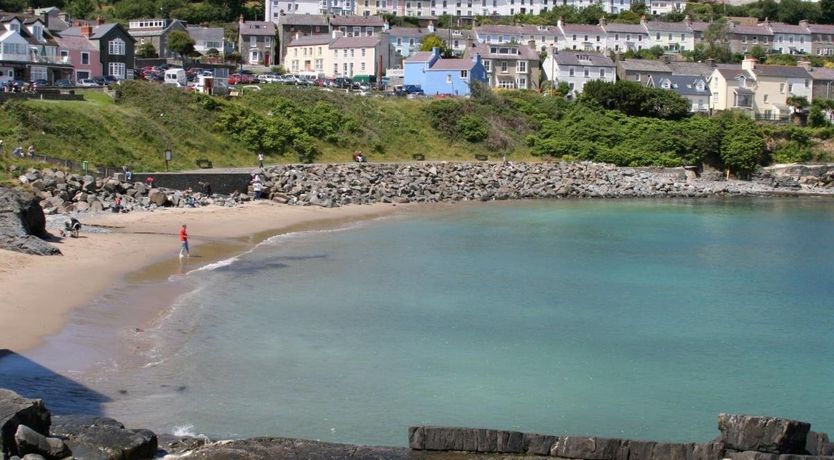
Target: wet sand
(38,293)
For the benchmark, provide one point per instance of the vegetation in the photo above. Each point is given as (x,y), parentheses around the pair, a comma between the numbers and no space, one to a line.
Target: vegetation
(613,123)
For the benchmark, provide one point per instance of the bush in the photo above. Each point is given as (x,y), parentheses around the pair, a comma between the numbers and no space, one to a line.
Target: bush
(472,128)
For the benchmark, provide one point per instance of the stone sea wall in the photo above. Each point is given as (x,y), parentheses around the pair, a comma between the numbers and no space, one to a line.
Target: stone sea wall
(28,431)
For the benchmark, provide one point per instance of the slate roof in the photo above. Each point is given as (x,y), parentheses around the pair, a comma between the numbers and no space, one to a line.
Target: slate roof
(821,28)
(205,33)
(257,28)
(307,40)
(453,64)
(751,30)
(662,26)
(354,42)
(423,56)
(408,32)
(691,68)
(782,28)
(626,28)
(354,20)
(822,74)
(782,71)
(484,49)
(644,65)
(699,26)
(582,29)
(685,86)
(593,59)
(733,71)
(302,20)
(80,43)
(98,31)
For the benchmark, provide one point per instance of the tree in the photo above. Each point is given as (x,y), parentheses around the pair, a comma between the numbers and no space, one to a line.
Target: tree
(798,103)
(433,41)
(827,11)
(742,146)
(758,52)
(80,8)
(146,50)
(181,43)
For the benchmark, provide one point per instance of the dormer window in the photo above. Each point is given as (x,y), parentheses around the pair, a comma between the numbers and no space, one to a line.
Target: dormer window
(14,26)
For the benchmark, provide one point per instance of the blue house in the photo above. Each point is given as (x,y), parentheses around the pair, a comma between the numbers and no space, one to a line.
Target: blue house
(436,75)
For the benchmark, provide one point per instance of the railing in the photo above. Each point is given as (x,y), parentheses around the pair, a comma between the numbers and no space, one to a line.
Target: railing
(82,167)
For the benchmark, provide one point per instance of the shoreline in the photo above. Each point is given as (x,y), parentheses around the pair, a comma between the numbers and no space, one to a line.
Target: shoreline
(41,292)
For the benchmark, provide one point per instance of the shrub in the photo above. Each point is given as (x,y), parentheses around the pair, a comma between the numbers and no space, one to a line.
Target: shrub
(472,128)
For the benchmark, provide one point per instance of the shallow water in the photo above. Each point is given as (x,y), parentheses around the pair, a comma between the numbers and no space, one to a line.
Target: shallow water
(640,319)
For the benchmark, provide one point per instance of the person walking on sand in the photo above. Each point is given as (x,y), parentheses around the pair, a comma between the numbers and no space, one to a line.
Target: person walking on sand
(184,241)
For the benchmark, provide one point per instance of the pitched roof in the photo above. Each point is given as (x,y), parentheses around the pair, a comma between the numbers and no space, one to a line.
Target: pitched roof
(307,40)
(699,26)
(423,56)
(408,32)
(691,68)
(782,28)
(354,20)
(485,50)
(662,26)
(644,65)
(98,31)
(582,29)
(453,64)
(72,42)
(257,28)
(205,33)
(751,30)
(625,28)
(730,72)
(583,59)
(454,33)
(821,28)
(783,71)
(302,20)
(354,42)
(685,86)
(819,73)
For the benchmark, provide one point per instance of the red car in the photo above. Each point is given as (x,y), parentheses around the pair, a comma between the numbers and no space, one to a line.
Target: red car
(241,79)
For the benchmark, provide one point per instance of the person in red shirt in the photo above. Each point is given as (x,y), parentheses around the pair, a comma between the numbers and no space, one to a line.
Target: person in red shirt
(184,240)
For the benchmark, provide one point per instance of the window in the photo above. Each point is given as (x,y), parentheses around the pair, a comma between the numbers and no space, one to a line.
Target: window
(253,41)
(587,72)
(85,58)
(448,79)
(399,41)
(362,66)
(116,47)
(503,66)
(782,88)
(369,31)
(363,52)
(486,65)
(116,69)
(521,67)
(464,74)
(335,69)
(601,73)
(38,73)
(765,98)
(82,74)
(790,88)
(268,41)
(522,82)
(571,72)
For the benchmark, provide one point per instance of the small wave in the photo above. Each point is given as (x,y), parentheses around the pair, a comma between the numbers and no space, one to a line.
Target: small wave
(187,431)
(272,240)
(216,265)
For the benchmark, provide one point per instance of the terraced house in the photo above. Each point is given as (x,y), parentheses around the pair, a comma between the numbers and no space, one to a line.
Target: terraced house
(115,46)
(257,42)
(578,68)
(28,51)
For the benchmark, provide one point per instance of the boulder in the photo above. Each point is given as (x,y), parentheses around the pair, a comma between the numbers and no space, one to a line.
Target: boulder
(30,441)
(818,444)
(15,411)
(763,434)
(586,448)
(23,224)
(92,437)
(158,197)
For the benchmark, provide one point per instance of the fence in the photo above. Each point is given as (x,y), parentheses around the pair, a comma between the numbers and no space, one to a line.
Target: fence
(75,166)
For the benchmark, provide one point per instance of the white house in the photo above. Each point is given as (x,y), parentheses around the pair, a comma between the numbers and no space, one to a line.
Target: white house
(578,68)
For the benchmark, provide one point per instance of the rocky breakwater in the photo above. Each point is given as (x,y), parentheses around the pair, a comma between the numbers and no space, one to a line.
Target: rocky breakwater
(341,184)
(61,192)
(797,176)
(23,224)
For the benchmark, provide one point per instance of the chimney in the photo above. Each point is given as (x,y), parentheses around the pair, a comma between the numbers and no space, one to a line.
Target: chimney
(532,44)
(603,22)
(643,21)
(337,34)
(99,20)
(803,23)
(297,36)
(749,63)
(240,19)
(431,27)
(86,30)
(711,62)
(804,64)
(560,22)
(688,20)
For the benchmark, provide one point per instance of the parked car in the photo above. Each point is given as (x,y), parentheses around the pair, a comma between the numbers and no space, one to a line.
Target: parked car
(269,78)
(110,80)
(41,82)
(65,83)
(409,90)
(100,81)
(87,83)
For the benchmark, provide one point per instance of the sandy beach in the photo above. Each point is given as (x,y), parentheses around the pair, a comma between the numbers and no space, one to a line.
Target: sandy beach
(39,292)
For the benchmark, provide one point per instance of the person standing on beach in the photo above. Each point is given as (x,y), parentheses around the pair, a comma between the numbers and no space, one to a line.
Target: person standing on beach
(184,241)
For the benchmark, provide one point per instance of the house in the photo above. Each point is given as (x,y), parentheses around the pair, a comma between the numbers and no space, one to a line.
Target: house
(509,65)
(789,38)
(115,45)
(457,40)
(761,89)
(642,70)
(292,25)
(663,7)
(694,89)
(582,37)
(358,26)
(156,32)
(744,37)
(671,36)
(361,57)
(82,53)
(822,39)
(624,37)
(407,40)
(692,69)
(543,37)
(208,38)
(274,9)
(439,76)
(256,42)
(822,82)
(54,18)
(310,53)
(28,51)
(577,68)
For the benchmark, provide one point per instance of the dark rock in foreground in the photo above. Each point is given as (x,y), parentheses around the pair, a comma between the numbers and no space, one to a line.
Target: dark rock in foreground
(15,411)
(94,438)
(763,434)
(23,224)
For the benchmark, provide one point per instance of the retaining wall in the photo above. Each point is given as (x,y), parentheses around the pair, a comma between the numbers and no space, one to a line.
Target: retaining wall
(224,183)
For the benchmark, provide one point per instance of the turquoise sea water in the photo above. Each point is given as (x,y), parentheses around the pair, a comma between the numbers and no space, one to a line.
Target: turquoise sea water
(639,319)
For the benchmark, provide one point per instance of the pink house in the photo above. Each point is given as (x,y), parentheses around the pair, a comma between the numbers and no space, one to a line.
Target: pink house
(81,53)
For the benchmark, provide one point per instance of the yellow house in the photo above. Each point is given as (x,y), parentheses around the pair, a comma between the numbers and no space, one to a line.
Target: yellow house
(309,54)
(762,90)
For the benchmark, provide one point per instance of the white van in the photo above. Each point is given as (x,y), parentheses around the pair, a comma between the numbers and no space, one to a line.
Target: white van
(176,77)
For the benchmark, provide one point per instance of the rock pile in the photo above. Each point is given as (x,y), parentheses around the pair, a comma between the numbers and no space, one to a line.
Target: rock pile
(23,224)
(341,184)
(797,176)
(60,192)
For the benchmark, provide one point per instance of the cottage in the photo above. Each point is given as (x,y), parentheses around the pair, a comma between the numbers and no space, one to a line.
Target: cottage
(360,57)
(625,37)
(578,68)
(642,70)
(509,65)
(439,76)
(207,39)
(28,51)
(309,53)
(115,45)
(694,89)
(80,52)
(292,26)
(256,42)
(156,32)
(789,38)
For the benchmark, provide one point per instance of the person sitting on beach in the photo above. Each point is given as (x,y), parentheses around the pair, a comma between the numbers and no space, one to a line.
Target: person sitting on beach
(149,181)
(72,227)
(358,157)
(117,204)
